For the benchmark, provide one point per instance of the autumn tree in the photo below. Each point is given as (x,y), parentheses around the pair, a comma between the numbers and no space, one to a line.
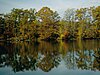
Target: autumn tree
(27,24)
(69,17)
(49,25)
(96,20)
(23,20)
(2,27)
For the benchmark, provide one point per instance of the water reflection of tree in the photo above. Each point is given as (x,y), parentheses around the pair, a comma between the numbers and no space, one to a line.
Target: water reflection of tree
(80,55)
(46,55)
(96,64)
(51,57)
(25,56)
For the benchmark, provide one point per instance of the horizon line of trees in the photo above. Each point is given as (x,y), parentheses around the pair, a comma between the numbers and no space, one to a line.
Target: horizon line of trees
(46,24)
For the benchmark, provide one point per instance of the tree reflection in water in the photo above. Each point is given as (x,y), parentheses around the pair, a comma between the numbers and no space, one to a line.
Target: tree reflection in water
(23,56)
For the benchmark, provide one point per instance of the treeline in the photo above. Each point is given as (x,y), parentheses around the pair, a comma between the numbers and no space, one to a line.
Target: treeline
(46,24)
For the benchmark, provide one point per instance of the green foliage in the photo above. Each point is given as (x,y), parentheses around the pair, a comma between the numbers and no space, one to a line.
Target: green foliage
(27,24)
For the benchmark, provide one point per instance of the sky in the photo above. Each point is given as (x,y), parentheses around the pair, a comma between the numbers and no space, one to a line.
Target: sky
(56,5)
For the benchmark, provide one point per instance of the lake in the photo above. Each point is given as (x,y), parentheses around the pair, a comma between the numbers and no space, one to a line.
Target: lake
(50,58)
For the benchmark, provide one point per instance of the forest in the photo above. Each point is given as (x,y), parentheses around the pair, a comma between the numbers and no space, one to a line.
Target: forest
(46,24)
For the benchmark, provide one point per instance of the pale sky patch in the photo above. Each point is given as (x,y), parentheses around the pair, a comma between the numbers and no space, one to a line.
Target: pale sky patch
(57,5)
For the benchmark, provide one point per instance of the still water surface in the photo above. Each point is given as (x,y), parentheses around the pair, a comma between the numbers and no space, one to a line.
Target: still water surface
(50,58)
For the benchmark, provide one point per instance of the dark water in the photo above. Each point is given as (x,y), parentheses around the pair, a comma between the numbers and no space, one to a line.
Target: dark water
(50,58)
